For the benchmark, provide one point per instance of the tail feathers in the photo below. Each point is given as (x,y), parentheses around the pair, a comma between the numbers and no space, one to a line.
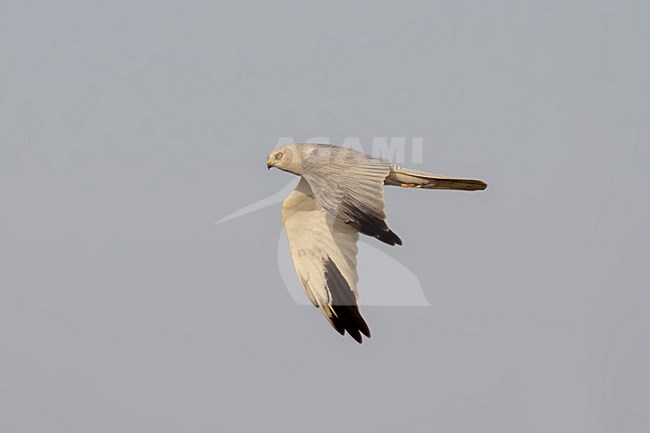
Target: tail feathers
(406,178)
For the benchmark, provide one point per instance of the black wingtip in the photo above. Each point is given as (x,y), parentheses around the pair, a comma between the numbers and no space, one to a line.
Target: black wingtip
(372,225)
(389,237)
(346,316)
(354,333)
(348,319)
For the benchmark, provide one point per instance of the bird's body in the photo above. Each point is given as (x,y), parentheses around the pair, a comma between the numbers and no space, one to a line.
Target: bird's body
(339,196)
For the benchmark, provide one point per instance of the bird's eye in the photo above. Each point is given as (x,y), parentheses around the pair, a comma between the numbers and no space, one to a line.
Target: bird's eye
(278,155)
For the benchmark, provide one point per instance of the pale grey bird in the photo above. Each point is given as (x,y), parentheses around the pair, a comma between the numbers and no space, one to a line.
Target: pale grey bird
(341,194)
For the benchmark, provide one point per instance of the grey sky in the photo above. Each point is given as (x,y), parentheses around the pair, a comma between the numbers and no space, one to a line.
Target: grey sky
(128,128)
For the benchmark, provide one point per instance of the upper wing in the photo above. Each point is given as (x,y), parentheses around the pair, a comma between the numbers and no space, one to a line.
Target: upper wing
(350,186)
(324,251)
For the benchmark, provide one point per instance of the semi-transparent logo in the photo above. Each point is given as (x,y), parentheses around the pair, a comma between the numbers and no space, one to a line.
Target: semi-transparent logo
(383,279)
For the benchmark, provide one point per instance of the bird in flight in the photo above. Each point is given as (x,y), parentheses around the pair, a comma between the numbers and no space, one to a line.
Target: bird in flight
(341,194)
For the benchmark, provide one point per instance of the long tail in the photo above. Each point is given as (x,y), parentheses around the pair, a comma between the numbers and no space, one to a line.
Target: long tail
(406,178)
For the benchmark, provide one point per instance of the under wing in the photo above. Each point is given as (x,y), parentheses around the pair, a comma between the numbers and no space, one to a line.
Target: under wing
(324,251)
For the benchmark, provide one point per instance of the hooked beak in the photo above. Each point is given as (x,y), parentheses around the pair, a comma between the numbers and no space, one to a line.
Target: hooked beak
(269,164)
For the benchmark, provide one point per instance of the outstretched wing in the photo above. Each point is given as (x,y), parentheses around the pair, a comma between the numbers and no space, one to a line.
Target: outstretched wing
(350,186)
(324,252)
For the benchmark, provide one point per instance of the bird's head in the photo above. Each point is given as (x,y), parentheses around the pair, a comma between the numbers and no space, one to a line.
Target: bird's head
(286,158)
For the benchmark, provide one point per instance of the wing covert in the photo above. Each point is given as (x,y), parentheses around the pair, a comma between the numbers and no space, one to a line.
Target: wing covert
(350,186)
